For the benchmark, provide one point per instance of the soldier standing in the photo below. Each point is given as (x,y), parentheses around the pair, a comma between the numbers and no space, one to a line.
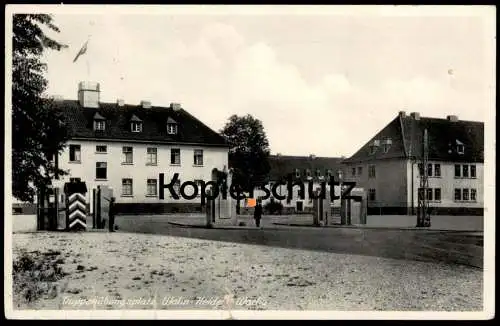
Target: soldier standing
(111,213)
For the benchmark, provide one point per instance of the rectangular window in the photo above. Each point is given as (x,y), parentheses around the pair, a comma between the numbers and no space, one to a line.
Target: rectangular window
(437,194)
(175,156)
(371,194)
(353,173)
(318,173)
(101,149)
(371,171)
(460,149)
(152,187)
(420,169)
(136,127)
(472,171)
(360,170)
(198,157)
(151,158)
(458,194)
(465,171)
(127,187)
(457,171)
(429,194)
(429,170)
(437,170)
(99,125)
(75,153)
(101,170)
(465,194)
(473,193)
(128,156)
(308,173)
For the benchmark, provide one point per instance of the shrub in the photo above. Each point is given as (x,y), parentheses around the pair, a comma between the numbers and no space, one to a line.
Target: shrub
(35,274)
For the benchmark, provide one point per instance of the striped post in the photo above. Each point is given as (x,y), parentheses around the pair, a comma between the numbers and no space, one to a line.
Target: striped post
(76,206)
(77,211)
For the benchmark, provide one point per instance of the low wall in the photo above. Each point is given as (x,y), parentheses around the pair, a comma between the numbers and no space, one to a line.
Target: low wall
(158,208)
(394,210)
(438,222)
(24,223)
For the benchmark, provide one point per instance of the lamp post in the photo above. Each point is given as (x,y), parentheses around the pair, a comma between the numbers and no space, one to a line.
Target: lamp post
(340,175)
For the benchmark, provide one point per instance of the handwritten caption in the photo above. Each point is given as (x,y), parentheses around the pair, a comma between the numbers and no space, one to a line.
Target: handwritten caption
(165,301)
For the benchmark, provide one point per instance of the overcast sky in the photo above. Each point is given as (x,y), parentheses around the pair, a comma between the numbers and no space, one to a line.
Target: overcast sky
(321,84)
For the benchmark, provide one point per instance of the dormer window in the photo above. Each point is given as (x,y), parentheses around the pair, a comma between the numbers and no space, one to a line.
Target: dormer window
(387,144)
(171,126)
(328,173)
(99,125)
(460,147)
(297,173)
(308,173)
(99,122)
(135,124)
(373,146)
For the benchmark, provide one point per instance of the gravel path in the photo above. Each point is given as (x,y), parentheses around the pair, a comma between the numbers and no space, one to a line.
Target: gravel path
(128,271)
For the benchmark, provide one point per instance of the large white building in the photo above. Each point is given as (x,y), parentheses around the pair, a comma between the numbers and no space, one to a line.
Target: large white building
(127,147)
(388,166)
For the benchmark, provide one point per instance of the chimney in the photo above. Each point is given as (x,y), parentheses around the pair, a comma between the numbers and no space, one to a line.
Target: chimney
(175,106)
(146,104)
(120,102)
(452,118)
(415,115)
(402,114)
(312,156)
(89,94)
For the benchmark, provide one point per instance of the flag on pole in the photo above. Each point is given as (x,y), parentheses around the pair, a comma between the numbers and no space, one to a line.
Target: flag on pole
(82,51)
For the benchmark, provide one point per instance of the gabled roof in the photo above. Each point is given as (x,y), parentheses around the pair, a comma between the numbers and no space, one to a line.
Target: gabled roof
(190,130)
(135,118)
(281,165)
(406,134)
(97,116)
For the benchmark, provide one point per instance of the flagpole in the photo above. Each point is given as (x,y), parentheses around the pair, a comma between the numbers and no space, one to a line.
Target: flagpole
(87,59)
(88,69)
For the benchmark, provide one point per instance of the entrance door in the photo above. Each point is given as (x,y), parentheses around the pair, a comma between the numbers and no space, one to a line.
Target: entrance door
(300,206)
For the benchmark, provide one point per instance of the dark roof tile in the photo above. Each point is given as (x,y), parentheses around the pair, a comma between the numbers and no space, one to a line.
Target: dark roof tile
(407,140)
(281,165)
(190,129)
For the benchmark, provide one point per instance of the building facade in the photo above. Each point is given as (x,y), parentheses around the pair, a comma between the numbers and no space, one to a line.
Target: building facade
(127,147)
(301,170)
(389,166)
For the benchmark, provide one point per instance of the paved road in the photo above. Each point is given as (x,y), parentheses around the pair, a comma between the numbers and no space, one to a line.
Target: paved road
(446,247)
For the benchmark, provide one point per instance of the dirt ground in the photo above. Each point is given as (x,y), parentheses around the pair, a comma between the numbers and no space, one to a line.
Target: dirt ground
(101,270)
